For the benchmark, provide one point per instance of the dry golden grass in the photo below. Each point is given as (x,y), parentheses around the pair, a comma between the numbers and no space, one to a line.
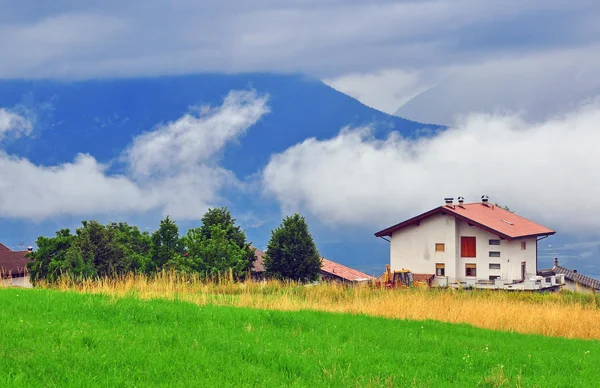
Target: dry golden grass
(563,315)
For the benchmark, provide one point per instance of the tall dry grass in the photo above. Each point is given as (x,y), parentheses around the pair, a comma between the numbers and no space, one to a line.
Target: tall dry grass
(564,315)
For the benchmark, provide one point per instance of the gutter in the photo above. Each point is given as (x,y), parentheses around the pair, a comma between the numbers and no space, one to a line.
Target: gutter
(537,240)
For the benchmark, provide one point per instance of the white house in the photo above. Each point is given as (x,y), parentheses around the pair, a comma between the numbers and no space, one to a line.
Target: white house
(475,244)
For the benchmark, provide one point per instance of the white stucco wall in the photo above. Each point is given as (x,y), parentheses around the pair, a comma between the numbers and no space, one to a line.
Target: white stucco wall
(576,287)
(413,248)
(17,282)
(511,255)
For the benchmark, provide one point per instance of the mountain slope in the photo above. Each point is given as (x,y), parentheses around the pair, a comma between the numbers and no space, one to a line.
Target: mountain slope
(101,117)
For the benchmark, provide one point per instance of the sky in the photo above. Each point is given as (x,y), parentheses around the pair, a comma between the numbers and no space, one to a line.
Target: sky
(464,55)
(517,82)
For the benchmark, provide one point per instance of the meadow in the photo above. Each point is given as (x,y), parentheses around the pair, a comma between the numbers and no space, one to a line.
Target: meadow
(569,315)
(132,337)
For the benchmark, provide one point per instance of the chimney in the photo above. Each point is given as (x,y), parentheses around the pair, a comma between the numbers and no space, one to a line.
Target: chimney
(556,261)
(484,200)
(461,201)
(448,201)
(574,271)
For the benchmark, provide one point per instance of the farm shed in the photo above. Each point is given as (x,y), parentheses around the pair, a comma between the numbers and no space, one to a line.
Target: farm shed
(13,267)
(572,280)
(330,271)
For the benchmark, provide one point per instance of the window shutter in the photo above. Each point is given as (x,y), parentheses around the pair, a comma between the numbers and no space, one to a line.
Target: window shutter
(467,247)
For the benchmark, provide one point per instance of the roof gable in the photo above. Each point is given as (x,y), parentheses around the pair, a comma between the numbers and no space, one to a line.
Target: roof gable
(12,263)
(485,216)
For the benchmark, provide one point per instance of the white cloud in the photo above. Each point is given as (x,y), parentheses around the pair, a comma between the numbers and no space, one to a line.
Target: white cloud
(80,187)
(12,122)
(195,139)
(537,85)
(385,90)
(545,170)
(325,39)
(174,169)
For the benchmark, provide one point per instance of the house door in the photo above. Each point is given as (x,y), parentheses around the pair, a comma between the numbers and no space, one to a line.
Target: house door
(523,270)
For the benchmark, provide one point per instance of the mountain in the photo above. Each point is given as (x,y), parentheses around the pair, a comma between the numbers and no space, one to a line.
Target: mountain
(102,117)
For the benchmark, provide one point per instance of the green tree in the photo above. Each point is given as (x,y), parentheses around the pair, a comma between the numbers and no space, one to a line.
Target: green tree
(137,246)
(165,244)
(291,252)
(100,249)
(222,217)
(50,259)
(212,255)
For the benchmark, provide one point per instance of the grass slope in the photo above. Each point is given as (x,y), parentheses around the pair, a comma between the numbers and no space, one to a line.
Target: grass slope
(66,338)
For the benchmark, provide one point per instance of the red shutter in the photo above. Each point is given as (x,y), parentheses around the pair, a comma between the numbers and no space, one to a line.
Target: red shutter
(467,247)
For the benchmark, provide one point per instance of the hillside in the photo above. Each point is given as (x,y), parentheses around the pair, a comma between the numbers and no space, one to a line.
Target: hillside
(128,342)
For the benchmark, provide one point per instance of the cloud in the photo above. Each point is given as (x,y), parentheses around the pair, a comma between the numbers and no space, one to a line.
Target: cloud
(80,187)
(325,39)
(544,170)
(12,122)
(192,140)
(173,169)
(385,90)
(536,85)
(380,52)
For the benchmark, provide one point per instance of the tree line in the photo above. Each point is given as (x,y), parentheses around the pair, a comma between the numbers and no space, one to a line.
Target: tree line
(215,247)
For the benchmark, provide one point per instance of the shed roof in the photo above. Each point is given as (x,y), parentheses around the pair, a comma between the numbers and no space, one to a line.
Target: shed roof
(577,277)
(12,263)
(489,217)
(346,273)
(327,266)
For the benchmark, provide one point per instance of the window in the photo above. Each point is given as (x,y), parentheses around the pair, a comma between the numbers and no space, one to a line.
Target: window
(494,242)
(467,247)
(494,254)
(471,270)
(440,269)
(548,280)
(494,277)
(494,265)
(440,247)
(523,245)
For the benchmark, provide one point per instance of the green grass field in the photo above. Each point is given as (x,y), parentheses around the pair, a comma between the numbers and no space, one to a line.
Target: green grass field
(53,338)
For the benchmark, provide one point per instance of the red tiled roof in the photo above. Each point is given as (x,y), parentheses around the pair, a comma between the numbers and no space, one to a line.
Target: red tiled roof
(328,266)
(489,217)
(343,272)
(258,265)
(12,263)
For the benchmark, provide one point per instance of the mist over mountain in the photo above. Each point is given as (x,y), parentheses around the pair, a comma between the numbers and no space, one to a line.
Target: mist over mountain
(103,118)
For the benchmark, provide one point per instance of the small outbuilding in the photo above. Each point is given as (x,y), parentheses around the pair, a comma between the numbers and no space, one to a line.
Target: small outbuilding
(13,267)
(330,271)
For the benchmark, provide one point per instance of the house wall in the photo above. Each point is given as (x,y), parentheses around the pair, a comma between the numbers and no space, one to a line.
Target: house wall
(576,287)
(17,282)
(413,248)
(511,255)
